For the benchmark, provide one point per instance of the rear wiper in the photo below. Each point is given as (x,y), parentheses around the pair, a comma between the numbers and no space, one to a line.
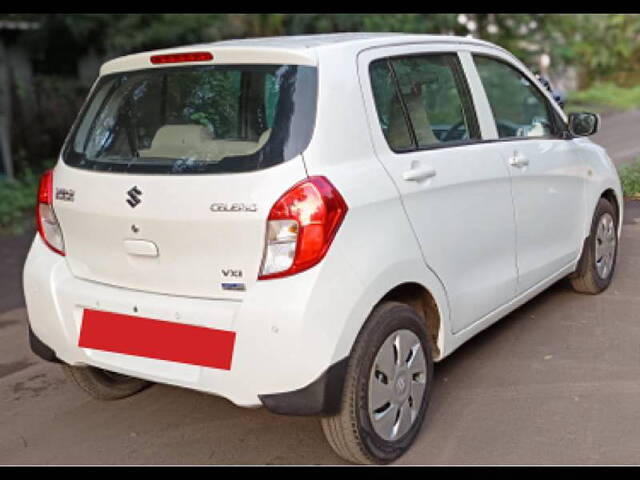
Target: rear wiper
(132,139)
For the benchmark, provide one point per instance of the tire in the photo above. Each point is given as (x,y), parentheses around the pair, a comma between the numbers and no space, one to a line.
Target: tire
(351,433)
(588,277)
(103,384)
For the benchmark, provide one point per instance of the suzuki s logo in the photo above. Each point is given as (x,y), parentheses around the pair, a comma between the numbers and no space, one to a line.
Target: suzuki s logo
(134,196)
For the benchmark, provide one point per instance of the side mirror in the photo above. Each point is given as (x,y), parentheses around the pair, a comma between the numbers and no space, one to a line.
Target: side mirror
(583,124)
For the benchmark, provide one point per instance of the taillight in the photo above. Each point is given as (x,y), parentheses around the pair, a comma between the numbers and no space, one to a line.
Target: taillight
(46,219)
(181,57)
(301,226)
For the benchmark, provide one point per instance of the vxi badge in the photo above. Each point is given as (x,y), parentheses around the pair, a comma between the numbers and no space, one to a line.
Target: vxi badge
(232,280)
(233,207)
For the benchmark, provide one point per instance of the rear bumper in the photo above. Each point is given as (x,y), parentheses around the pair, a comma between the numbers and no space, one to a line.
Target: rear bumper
(41,349)
(283,355)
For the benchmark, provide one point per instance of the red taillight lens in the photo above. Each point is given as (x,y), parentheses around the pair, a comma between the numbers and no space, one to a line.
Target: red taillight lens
(182,57)
(46,219)
(301,227)
(45,188)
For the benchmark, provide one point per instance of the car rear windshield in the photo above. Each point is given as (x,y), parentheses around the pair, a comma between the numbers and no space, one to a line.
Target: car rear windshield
(206,119)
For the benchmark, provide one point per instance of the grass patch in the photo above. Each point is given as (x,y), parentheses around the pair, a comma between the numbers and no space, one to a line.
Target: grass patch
(17,203)
(604,97)
(630,179)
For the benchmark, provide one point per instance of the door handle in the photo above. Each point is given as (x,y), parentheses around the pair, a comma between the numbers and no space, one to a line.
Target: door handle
(518,160)
(417,174)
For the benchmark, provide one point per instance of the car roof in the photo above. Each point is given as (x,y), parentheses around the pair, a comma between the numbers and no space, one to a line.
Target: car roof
(297,49)
(310,41)
(363,39)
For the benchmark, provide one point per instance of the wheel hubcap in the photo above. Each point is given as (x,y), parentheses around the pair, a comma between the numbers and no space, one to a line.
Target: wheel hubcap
(605,245)
(397,384)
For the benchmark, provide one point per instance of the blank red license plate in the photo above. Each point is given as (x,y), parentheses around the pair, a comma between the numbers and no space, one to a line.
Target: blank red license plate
(159,339)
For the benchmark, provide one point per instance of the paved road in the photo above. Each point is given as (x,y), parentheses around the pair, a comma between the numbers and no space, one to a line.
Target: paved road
(620,135)
(555,382)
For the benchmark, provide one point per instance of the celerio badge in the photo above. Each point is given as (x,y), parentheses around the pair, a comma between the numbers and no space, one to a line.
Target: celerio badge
(233,207)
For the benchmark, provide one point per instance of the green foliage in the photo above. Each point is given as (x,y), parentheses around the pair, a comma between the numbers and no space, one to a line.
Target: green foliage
(602,46)
(37,133)
(136,32)
(605,46)
(604,96)
(17,203)
(604,50)
(408,23)
(118,34)
(630,178)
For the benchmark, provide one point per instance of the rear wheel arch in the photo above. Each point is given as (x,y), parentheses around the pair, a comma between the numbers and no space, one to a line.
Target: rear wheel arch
(323,395)
(422,301)
(352,431)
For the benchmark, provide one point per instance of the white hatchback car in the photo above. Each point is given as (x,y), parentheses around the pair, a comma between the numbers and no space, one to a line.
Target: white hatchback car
(308,223)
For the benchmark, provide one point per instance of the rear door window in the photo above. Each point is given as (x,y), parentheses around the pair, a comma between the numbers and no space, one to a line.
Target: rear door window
(423,101)
(393,120)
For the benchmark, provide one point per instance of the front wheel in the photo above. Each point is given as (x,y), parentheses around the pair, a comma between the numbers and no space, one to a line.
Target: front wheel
(597,263)
(387,388)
